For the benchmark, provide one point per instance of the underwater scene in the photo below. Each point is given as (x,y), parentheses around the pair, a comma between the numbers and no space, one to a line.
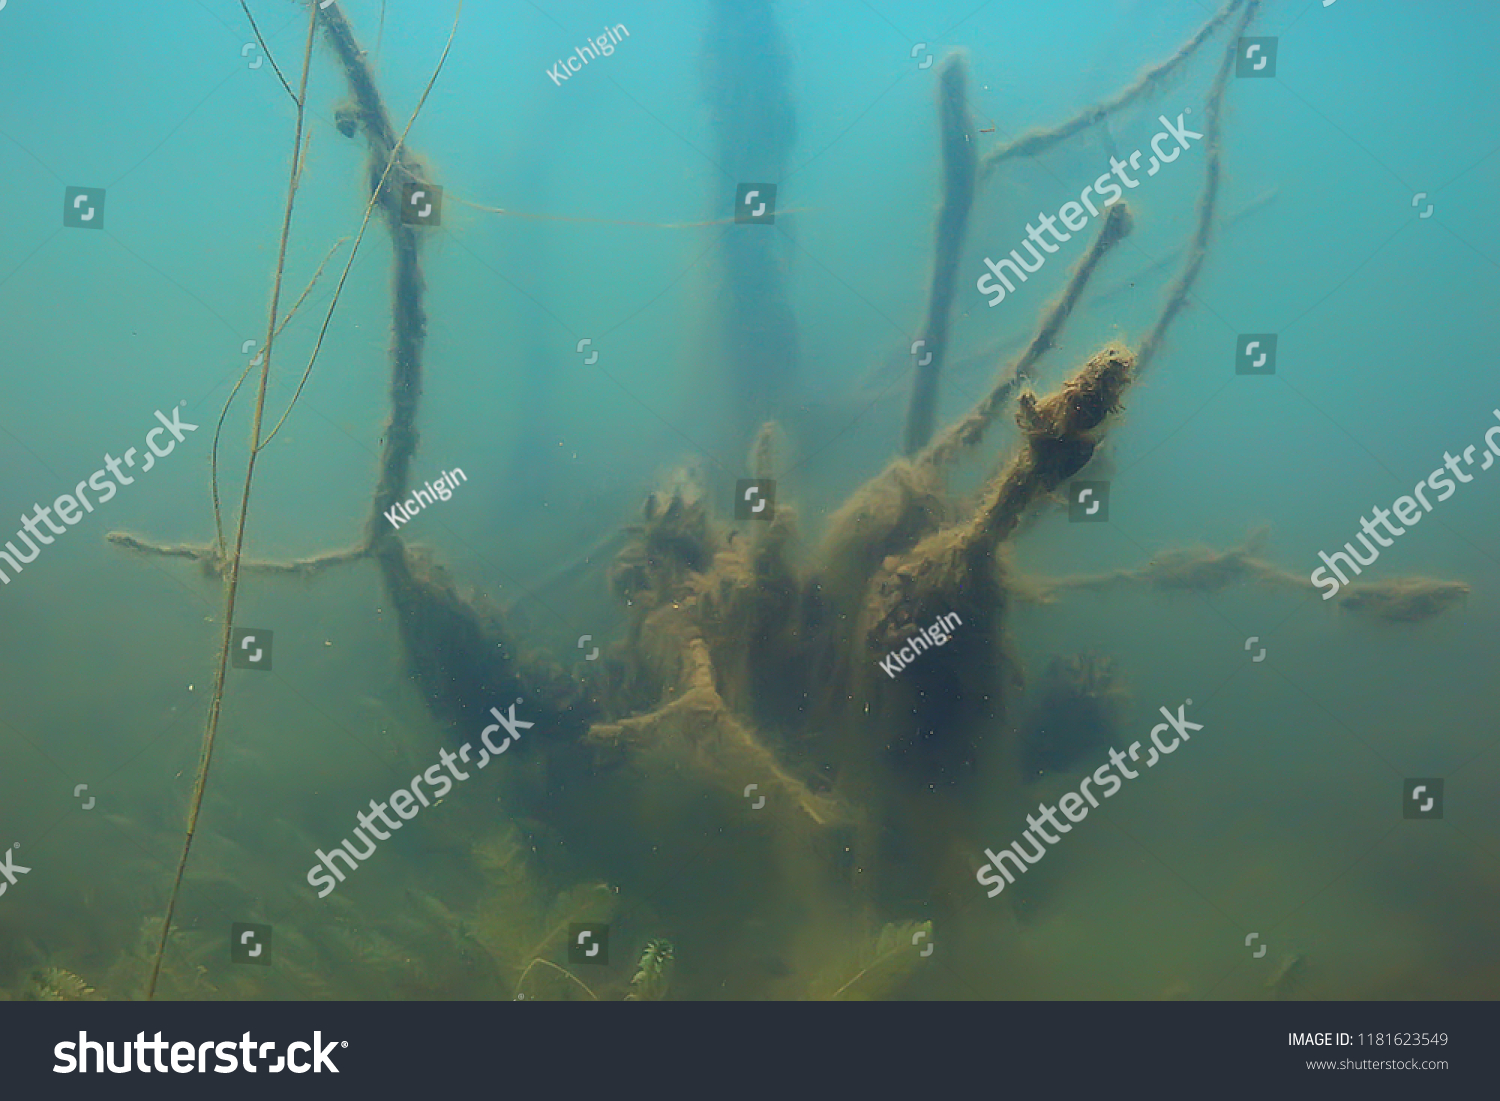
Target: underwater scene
(749,500)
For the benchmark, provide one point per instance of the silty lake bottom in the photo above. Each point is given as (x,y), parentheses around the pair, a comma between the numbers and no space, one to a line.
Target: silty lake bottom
(709,329)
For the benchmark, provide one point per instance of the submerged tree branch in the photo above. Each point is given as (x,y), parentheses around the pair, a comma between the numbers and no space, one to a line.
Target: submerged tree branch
(1038,141)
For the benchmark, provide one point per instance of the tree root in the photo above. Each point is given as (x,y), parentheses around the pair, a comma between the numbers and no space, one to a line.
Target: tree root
(1213,147)
(1402,599)
(697,720)
(969,431)
(943,569)
(1204,570)
(215,564)
(904,502)
(960,163)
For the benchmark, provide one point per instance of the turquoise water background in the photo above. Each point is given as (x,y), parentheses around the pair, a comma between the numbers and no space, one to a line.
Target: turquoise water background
(1284,819)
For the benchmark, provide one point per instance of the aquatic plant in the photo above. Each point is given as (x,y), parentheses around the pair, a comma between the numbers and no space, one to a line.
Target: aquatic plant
(54,984)
(1288,981)
(654,975)
(876,967)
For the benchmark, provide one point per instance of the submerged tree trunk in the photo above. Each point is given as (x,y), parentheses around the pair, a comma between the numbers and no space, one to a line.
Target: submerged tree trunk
(746,75)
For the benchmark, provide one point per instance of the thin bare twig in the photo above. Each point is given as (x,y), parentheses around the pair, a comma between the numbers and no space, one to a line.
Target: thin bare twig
(216,706)
(267,51)
(213,561)
(213,455)
(564,970)
(1037,141)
